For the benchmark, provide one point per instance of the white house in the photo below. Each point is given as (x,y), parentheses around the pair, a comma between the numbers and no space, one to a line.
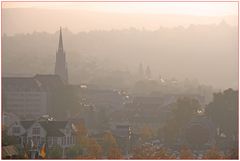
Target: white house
(38,132)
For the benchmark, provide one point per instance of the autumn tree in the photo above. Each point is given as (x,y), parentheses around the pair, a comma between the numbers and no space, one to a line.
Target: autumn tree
(213,153)
(94,149)
(232,154)
(161,153)
(108,142)
(186,153)
(146,133)
(150,152)
(81,129)
(114,153)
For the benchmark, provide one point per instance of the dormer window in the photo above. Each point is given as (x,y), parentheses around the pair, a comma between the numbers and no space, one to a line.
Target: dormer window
(36,131)
(16,130)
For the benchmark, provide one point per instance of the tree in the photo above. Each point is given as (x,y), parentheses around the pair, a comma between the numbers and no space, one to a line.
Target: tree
(146,133)
(150,152)
(55,152)
(114,153)
(223,110)
(184,110)
(75,151)
(213,153)
(94,149)
(161,153)
(232,154)
(108,142)
(8,140)
(185,153)
(81,130)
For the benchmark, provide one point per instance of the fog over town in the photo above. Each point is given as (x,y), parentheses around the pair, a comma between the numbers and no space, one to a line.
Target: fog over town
(120,80)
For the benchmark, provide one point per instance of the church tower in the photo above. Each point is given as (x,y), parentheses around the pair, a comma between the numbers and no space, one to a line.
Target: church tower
(61,65)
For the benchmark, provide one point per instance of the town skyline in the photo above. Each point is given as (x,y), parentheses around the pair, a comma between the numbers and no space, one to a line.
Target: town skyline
(129,88)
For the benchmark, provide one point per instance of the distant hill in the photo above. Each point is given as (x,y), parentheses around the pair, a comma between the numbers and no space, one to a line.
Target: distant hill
(208,53)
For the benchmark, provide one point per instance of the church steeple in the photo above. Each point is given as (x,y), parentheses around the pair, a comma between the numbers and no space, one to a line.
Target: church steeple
(61,65)
(60,44)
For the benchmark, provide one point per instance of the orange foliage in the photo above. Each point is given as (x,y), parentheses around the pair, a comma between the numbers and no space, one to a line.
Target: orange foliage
(150,152)
(114,153)
(146,133)
(213,153)
(185,153)
(109,139)
(94,149)
(81,129)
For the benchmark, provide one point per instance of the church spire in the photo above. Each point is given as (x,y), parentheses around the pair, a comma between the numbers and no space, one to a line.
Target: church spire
(61,64)
(60,45)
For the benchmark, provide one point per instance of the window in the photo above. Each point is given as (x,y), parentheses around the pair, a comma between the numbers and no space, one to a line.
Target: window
(64,140)
(67,139)
(42,140)
(49,140)
(74,139)
(54,140)
(71,139)
(36,131)
(16,130)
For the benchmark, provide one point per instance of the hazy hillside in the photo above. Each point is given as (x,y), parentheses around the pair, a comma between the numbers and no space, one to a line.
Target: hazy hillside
(205,52)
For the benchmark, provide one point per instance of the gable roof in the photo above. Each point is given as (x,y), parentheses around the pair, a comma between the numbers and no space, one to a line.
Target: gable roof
(26,124)
(53,127)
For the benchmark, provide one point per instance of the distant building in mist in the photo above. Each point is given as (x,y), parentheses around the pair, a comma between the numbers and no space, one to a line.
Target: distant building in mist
(61,65)
(30,97)
(24,97)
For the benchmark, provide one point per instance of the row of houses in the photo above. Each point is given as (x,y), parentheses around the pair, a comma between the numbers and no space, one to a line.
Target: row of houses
(38,132)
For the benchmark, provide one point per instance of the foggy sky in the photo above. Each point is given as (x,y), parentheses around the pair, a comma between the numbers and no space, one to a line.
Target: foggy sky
(28,20)
(205,47)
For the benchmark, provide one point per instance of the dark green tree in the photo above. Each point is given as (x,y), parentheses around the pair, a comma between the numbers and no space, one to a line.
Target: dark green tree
(8,140)
(55,152)
(223,111)
(184,110)
(75,151)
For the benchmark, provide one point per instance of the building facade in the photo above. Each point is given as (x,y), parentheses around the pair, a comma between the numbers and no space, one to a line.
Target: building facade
(24,97)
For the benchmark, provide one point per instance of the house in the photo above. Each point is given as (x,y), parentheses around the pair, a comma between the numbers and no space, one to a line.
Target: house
(36,132)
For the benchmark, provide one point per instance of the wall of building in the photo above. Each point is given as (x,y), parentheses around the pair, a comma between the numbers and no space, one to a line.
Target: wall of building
(26,103)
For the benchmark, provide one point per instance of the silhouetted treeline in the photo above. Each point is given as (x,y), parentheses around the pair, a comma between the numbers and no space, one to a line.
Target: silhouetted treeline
(205,52)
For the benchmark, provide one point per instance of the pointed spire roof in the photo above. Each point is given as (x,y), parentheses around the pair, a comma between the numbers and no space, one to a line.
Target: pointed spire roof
(60,45)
